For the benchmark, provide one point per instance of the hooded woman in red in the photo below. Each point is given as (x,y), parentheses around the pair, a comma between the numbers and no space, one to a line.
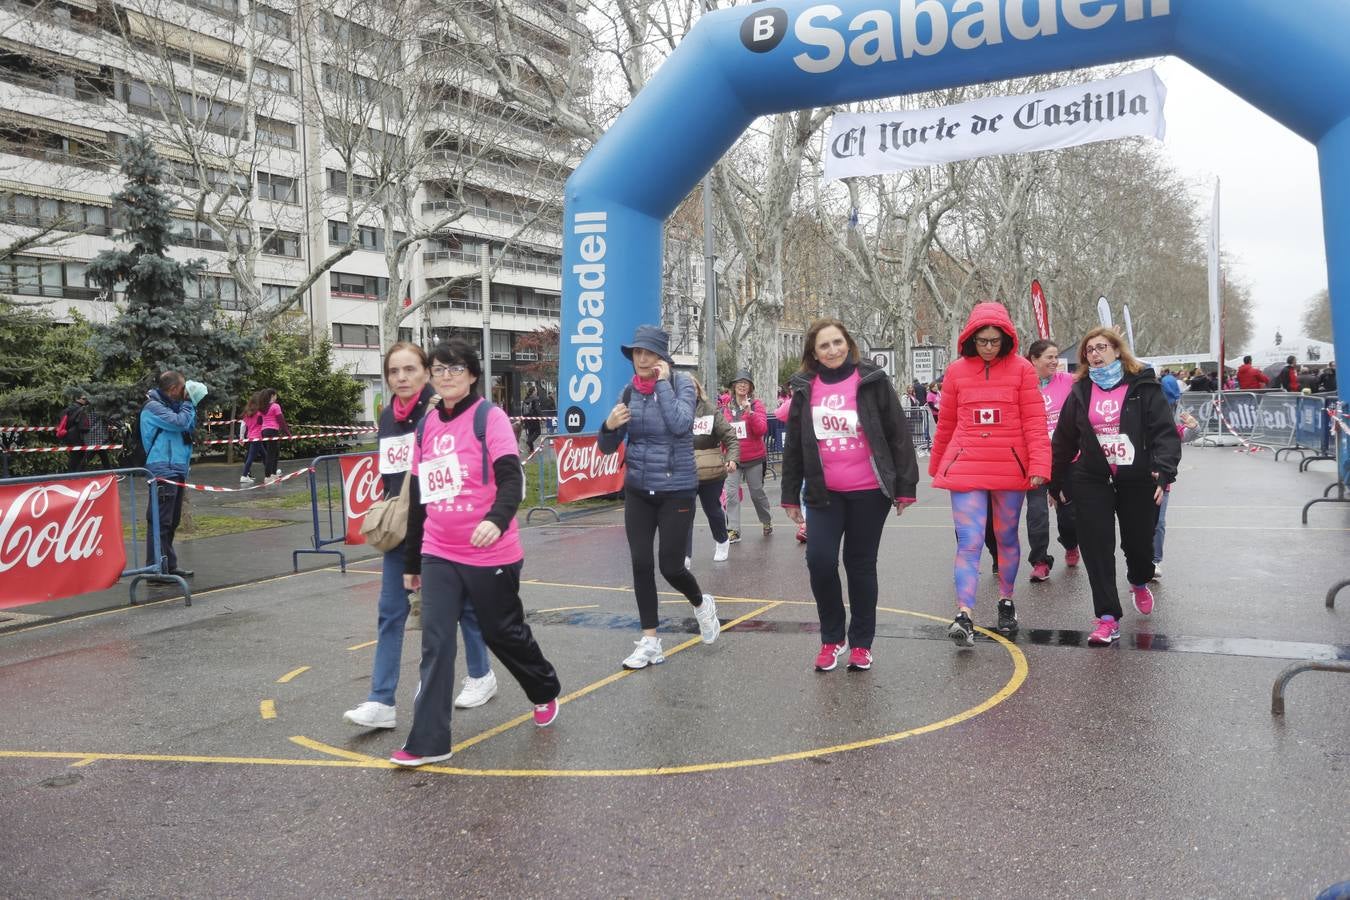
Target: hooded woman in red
(991,446)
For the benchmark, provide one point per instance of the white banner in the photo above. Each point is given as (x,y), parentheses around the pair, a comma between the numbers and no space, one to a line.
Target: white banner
(1215,316)
(873,143)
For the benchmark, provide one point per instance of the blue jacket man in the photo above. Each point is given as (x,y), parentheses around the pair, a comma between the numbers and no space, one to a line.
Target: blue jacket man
(167,421)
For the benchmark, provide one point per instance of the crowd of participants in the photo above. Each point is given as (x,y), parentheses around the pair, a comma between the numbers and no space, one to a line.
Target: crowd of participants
(1015,432)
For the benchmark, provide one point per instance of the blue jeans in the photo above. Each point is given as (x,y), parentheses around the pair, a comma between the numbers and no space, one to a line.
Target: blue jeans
(255,451)
(389,633)
(1160,530)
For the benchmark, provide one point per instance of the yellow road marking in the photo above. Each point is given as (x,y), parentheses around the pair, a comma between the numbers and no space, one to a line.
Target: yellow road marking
(568,608)
(339,752)
(593,686)
(363,646)
(268,709)
(284,679)
(87,761)
(165,757)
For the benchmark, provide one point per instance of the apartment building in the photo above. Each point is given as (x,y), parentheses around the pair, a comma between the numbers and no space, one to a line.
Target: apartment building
(294,133)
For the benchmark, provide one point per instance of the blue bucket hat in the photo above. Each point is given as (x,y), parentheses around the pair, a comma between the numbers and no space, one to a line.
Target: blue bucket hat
(649,337)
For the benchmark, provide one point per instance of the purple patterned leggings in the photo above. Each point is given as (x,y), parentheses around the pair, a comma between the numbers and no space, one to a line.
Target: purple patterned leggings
(970,513)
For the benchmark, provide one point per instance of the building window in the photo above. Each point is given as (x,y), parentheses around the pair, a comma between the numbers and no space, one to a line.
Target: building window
(32,276)
(205,237)
(274,294)
(271,21)
(280,188)
(226,8)
(367,287)
(356,335)
(501,345)
(158,102)
(187,175)
(276,132)
(339,233)
(275,78)
(220,289)
(63,215)
(281,243)
(361,185)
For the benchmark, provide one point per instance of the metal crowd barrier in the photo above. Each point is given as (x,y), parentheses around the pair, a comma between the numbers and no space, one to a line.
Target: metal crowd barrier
(1276,420)
(546,500)
(920,423)
(1342,483)
(135,546)
(330,524)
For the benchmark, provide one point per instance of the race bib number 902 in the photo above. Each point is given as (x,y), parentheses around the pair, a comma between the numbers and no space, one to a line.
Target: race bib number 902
(834,423)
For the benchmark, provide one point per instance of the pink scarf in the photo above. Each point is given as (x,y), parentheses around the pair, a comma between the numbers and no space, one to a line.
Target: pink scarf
(404,409)
(644,385)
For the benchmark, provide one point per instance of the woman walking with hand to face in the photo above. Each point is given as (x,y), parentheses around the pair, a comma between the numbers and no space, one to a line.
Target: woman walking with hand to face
(1117,425)
(848,443)
(748,419)
(991,447)
(463,550)
(656,417)
(406,371)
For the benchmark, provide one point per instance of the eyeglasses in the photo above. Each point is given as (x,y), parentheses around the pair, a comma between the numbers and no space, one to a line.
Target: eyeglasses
(1098,348)
(442,371)
(989,342)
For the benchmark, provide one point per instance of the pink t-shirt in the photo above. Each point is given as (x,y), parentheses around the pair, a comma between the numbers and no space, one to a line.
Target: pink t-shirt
(844,452)
(272,417)
(1055,393)
(253,426)
(448,465)
(1104,416)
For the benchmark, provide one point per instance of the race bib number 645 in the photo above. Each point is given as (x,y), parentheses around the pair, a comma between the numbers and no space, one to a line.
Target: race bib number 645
(1119,449)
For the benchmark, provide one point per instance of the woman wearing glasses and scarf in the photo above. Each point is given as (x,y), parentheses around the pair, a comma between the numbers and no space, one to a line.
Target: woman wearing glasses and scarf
(1117,424)
(991,447)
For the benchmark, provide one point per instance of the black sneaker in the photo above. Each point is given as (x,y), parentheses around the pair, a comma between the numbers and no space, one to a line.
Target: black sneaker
(1007,618)
(994,568)
(962,631)
(733,536)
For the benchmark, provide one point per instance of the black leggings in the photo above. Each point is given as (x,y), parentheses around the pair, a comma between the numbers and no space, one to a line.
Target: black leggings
(710,498)
(270,451)
(665,518)
(1098,508)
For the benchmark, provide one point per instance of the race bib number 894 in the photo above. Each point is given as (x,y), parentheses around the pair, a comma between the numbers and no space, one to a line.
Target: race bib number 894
(441,478)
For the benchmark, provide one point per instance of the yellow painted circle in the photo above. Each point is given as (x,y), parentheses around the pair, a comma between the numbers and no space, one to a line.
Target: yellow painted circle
(1015,681)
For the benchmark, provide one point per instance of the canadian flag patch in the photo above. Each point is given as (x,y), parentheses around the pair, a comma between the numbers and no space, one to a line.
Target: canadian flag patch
(987,416)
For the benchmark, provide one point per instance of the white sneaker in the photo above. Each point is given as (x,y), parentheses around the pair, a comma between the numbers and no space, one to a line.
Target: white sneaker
(477,691)
(1157,572)
(721,551)
(688,561)
(648,653)
(244,479)
(371,715)
(708,625)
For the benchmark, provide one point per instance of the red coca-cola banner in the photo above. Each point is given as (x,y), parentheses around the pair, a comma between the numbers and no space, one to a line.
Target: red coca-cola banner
(583,471)
(1040,307)
(361,486)
(58,539)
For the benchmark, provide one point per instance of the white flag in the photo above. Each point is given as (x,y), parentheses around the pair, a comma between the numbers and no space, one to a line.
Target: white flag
(1104,312)
(872,143)
(1215,320)
(1129,325)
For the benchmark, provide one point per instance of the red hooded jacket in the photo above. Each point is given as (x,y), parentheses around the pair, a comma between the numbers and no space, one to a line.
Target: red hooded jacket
(991,432)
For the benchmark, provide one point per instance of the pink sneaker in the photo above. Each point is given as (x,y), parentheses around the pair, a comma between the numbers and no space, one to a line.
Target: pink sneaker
(402,757)
(1071,557)
(859,659)
(1107,631)
(1143,599)
(545,713)
(828,657)
(1040,572)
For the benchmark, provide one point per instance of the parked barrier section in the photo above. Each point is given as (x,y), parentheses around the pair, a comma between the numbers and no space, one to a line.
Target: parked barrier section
(341,488)
(65,535)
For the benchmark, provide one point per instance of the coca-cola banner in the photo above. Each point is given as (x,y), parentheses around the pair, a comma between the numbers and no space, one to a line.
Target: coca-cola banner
(361,486)
(58,539)
(583,471)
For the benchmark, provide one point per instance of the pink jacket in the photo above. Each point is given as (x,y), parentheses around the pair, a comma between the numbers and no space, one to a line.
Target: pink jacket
(756,426)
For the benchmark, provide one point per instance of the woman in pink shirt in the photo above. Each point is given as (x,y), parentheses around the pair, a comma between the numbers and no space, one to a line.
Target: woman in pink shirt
(273,426)
(1055,385)
(463,548)
(848,444)
(252,419)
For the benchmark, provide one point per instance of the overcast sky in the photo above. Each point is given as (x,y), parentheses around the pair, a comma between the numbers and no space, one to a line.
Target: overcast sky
(1271,215)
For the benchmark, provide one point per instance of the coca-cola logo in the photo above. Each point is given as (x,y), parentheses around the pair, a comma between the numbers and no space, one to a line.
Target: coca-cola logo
(361,486)
(29,538)
(585,461)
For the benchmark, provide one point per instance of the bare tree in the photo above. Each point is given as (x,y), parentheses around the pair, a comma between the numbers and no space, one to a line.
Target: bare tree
(1316,319)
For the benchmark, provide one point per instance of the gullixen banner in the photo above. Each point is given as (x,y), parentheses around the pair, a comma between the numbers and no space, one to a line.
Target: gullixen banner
(874,143)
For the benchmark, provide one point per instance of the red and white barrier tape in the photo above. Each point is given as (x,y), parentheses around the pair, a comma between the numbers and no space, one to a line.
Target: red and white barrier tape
(211,489)
(66,449)
(533,418)
(26,428)
(1247,446)
(1339,420)
(286,437)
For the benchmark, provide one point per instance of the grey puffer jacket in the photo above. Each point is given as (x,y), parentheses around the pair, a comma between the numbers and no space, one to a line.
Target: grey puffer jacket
(660,438)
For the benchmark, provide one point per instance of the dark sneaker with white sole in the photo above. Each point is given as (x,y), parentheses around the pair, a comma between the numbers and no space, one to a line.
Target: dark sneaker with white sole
(962,631)
(1007,618)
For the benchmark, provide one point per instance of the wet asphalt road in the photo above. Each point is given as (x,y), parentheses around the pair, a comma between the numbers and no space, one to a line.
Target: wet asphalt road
(164,751)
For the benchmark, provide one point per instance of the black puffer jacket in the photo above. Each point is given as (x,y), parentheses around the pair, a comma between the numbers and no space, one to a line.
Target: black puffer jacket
(882,421)
(1145,418)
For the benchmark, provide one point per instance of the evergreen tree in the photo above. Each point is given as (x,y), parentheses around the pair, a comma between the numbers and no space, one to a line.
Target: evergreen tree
(160,327)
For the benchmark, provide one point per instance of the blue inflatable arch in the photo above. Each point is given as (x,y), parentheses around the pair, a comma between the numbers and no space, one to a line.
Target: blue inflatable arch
(1290,58)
